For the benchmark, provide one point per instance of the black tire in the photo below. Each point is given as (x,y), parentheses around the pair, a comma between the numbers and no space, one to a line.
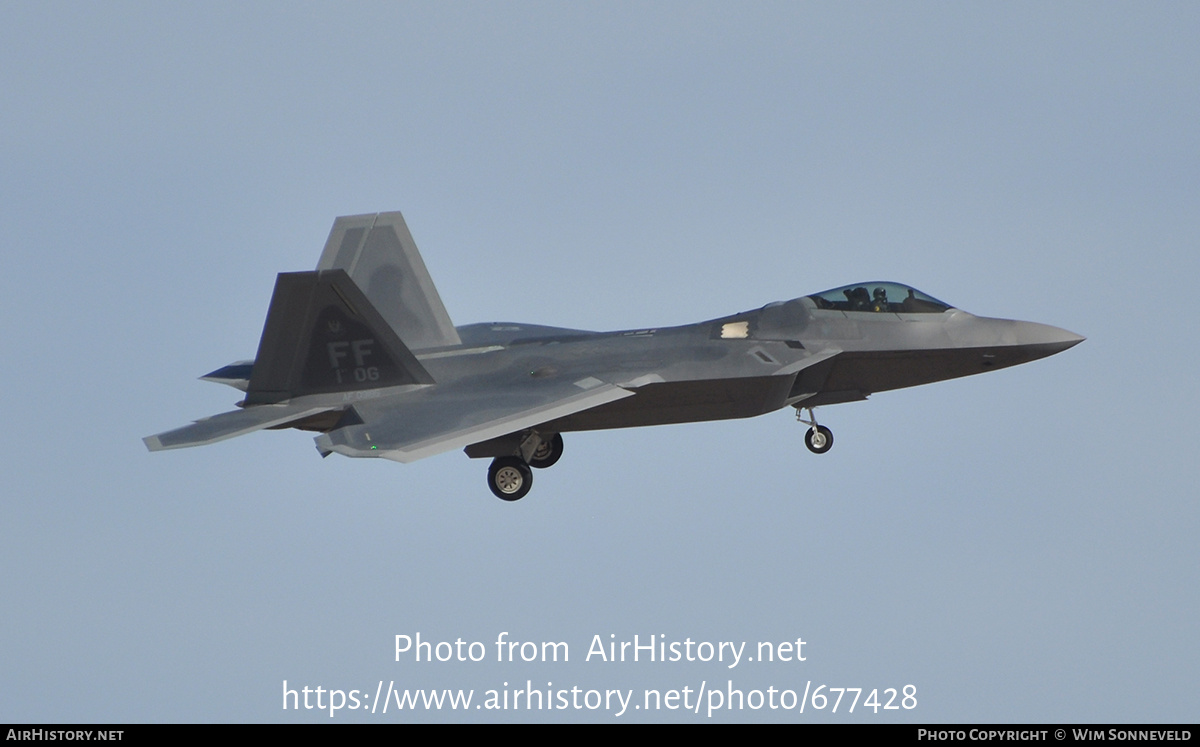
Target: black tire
(818,439)
(509,478)
(548,453)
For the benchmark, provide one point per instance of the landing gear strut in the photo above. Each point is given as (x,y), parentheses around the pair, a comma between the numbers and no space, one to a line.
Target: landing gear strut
(818,438)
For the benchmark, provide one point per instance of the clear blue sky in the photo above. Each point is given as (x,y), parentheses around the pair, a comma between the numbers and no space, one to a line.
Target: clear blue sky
(1019,546)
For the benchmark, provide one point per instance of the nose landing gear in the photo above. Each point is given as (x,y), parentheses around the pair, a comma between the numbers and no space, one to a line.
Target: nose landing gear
(817,438)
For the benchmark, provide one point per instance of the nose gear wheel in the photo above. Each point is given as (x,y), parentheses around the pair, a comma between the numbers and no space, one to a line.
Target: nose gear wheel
(817,438)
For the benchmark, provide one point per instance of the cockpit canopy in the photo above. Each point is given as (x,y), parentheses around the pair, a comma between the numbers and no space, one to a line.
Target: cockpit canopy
(893,297)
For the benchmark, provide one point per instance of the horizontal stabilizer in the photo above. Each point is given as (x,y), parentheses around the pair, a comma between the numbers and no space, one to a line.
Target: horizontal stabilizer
(236,375)
(230,424)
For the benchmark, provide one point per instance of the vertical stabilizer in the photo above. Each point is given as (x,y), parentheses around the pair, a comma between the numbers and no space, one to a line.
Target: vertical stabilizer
(322,335)
(379,254)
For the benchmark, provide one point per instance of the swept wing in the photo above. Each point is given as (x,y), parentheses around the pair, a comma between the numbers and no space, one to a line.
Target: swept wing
(442,418)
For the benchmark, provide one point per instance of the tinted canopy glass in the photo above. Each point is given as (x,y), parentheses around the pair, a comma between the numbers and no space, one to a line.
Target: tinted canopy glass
(893,297)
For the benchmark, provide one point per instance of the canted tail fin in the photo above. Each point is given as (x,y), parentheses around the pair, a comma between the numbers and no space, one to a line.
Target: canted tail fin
(323,335)
(379,254)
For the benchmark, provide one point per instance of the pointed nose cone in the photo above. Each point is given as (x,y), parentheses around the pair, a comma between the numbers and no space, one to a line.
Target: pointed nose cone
(1006,342)
(1045,340)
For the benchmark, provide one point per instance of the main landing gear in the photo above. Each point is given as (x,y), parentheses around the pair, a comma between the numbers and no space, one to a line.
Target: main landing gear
(510,477)
(547,452)
(818,438)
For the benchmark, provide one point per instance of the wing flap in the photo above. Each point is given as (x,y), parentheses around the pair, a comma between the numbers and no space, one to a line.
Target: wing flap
(230,424)
(412,430)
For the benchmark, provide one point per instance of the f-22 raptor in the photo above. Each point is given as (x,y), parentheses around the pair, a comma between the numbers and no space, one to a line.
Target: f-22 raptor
(362,351)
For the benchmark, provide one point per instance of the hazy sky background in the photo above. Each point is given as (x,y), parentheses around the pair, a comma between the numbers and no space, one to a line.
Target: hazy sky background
(1020,546)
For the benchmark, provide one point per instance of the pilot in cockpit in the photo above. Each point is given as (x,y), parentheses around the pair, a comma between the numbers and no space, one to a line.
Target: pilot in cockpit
(881,302)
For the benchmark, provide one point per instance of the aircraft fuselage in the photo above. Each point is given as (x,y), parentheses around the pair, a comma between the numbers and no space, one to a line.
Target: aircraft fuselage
(362,351)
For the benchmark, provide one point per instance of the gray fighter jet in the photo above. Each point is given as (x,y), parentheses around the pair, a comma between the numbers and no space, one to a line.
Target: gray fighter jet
(362,351)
